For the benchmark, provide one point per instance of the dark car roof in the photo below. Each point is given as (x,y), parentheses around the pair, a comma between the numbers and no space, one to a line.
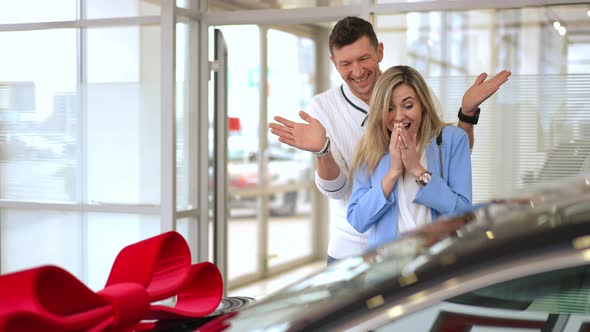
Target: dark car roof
(540,219)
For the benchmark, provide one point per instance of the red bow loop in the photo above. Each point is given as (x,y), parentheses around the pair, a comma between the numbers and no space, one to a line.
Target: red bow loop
(194,300)
(161,264)
(48,298)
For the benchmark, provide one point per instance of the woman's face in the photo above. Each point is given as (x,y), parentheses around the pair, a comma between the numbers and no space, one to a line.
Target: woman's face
(404,109)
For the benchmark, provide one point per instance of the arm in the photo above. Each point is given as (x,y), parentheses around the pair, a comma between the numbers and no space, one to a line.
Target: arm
(370,201)
(453,194)
(468,127)
(336,188)
(479,92)
(367,203)
(327,166)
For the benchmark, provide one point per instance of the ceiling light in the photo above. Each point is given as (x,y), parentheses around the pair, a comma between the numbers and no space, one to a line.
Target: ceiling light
(562,31)
(556,25)
(588,13)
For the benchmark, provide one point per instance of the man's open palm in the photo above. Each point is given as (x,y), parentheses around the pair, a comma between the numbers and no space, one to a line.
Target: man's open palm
(310,136)
(482,90)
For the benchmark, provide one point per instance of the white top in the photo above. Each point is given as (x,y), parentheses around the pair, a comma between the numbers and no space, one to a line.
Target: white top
(342,114)
(409,214)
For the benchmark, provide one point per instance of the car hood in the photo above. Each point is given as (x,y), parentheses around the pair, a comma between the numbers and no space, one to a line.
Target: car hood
(529,220)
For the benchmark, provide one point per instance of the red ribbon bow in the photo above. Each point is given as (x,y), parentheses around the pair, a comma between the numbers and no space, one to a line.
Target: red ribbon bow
(49,298)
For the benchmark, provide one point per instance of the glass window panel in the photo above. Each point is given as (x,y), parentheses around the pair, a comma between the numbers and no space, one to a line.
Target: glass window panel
(291,74)
(182,115)
(242,252)
(455,56)
(187,104)
(291,79)
(290,235)
(85,248)
(123,116)
(27,11)
(106,234)
(121,8)
(39,115)
(243,94)
(283,4)
(534,129)
(33,238)
(113,54)
(183,225)
(578,60)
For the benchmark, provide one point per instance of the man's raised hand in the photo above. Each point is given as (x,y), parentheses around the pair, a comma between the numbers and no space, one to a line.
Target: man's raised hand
(310,136)
(481,90)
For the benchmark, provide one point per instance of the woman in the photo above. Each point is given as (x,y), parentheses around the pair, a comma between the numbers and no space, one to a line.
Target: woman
(402,177)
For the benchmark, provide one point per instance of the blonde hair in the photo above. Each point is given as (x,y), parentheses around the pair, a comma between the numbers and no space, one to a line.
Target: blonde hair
(375,142)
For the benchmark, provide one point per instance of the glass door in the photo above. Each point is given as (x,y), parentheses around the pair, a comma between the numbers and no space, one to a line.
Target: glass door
(268,184)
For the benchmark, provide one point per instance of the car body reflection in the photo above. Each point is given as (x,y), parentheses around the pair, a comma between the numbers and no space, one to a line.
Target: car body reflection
(521,262)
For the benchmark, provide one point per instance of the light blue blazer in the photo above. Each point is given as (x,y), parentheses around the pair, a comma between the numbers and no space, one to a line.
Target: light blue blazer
(369,209)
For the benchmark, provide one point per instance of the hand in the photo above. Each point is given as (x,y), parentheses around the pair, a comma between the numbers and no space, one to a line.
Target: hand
(481,90)
(409,154)
(395,152)
(310,136)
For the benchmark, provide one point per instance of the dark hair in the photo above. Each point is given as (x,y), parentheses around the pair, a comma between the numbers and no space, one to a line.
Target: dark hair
(350,29)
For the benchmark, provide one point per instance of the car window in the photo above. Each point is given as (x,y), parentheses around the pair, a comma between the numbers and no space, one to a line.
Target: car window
(525,304)
(565,291)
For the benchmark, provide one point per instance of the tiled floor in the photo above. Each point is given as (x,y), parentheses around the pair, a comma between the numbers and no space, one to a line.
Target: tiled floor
(265,287)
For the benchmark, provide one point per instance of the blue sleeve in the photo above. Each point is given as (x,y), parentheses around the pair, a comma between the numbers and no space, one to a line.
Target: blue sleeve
(455,193)
(367,203)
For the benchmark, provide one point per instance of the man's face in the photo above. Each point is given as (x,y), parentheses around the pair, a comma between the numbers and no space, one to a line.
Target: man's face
(358,65)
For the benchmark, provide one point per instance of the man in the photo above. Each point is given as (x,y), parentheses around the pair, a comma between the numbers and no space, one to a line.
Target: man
(335,123)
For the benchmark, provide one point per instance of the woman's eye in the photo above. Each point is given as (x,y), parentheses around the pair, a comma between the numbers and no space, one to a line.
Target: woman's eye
(409,106)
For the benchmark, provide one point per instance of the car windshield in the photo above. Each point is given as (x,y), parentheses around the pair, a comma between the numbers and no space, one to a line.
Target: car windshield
(563,291)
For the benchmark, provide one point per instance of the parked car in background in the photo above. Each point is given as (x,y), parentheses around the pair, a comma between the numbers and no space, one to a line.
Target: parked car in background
(289,170)
(513,264)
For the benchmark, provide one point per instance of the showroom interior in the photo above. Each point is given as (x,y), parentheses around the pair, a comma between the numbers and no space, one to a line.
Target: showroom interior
(124,119)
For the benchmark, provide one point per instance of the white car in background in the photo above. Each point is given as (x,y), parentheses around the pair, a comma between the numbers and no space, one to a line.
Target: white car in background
(289,170)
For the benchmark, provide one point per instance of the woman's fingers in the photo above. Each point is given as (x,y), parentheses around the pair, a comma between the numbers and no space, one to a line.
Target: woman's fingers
(404,138)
